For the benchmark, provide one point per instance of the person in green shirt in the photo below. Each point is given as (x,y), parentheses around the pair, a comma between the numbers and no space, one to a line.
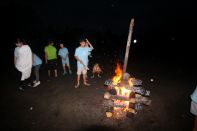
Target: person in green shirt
(51,58)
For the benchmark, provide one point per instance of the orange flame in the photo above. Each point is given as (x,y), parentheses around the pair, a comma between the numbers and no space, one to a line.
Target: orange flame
(116,79)
(121,91)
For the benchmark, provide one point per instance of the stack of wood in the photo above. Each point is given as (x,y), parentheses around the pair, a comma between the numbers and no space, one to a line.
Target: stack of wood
(138,97)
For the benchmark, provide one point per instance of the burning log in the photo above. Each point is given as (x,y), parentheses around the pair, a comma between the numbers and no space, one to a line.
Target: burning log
(109,114)
(138,99)
(107,95)
(110,103)
(137,89)
(143,100)
(135,82)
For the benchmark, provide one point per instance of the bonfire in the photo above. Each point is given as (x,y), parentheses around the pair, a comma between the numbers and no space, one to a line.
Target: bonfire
(125,93)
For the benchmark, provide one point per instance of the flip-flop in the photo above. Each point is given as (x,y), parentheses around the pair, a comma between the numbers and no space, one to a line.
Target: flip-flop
(87,84)
(76,86)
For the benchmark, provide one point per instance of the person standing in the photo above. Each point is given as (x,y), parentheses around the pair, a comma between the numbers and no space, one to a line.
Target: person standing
(193,108)
(37,62)
(64,54)
(51,58)
(23,61)
(81,55)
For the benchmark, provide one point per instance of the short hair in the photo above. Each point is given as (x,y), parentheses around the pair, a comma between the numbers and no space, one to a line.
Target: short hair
(82,40)
(19,40)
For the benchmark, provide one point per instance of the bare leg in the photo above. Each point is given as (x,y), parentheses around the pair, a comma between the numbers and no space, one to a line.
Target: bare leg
(49,73)
(84,80)
(86,76)
(70,72)
(78,80)
(99,75)
(36,71)
(64,69)
(55,72)
(92,75)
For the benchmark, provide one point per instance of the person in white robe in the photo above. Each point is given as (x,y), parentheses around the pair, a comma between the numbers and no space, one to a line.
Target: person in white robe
(23,61)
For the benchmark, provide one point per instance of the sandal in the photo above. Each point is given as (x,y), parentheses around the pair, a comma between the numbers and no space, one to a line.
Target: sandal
(86,84)
(76,86)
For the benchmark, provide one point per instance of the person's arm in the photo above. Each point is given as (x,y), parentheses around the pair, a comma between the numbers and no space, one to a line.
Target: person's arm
(59,54)
(67,56)
(89,44)
(77,58)
(46,57)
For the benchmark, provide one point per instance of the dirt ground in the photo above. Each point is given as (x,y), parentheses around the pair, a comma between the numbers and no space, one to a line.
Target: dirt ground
(58,106)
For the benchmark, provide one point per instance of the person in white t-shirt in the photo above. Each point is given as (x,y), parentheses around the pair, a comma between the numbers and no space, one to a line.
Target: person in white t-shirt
(81,55)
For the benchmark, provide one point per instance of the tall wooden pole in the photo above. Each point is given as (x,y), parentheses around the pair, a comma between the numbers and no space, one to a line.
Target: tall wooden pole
(128,45)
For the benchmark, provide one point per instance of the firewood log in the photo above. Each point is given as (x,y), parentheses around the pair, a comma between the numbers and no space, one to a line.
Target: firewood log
(138,99)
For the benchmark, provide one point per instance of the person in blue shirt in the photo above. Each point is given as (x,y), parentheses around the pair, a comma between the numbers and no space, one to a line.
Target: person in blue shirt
(64,54)
(37,62)
(81,55)
(193,108)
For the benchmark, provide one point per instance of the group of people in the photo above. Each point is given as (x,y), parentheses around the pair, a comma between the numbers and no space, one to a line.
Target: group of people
(25,60)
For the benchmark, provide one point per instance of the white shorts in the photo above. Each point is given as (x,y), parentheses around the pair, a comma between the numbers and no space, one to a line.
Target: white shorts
(193,108)
(81,71)
(66,62)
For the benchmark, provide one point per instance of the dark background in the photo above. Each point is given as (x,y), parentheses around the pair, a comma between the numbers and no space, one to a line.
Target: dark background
(165,51)
(165,30)
(161,27)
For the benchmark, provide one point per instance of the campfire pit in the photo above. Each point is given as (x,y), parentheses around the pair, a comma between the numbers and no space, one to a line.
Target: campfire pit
(125,95)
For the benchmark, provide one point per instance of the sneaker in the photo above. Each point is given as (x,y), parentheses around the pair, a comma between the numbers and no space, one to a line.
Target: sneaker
(64,73)
(36,84)
(21,88)
(29,84)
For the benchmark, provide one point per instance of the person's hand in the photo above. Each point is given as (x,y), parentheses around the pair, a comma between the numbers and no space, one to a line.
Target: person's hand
(87,40)
(64,58)
(86,67)
(81,62)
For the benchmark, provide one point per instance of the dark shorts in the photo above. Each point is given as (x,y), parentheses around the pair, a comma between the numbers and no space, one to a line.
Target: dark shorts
(52,64)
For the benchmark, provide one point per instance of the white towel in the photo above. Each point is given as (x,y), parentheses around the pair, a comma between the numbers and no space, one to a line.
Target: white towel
(23,60)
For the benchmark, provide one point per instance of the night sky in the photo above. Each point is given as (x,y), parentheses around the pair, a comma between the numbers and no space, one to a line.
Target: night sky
(115,15)
(164,25)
